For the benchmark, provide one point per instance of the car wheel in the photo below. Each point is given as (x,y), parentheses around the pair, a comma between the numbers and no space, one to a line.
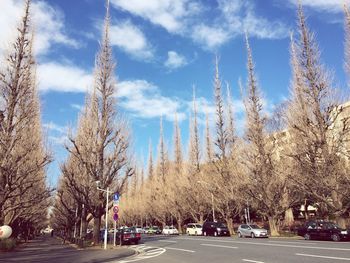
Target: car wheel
(239,234)
(335,237)
(215,234)
(136,242)
(252,235)
(205,233)
(307,237)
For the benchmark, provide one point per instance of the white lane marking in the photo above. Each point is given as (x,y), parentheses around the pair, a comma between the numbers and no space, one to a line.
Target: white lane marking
(327,257)
(212,245)
(146,252)
(180,249)
(254,261)
(168,241)
(269,244)
(295,242)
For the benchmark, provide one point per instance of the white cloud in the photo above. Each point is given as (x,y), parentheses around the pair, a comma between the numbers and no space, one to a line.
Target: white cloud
(175,60)
(57,133)
(130,39)
(54,76)
(48,24)
(53,127)
(324,5)
(210,37)
(186,18)
(143,99)
(241,17)
(77,106)
(168,14)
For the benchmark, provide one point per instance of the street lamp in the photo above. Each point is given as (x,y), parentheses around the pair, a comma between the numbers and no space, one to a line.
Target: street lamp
(212,197)
(106,219)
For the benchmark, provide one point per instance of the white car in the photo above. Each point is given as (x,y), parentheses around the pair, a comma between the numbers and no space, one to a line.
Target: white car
(170,230)
(194,229)
(139,229)
(249,230)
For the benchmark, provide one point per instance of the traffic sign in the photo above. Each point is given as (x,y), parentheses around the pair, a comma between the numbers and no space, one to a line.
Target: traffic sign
(115,217)
(116,197)
(116,209)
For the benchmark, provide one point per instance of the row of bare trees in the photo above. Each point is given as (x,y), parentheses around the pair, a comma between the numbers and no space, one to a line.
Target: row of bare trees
(298,155)
(23,153)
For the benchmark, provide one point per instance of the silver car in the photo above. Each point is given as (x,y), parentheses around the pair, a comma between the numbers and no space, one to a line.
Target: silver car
(249,230)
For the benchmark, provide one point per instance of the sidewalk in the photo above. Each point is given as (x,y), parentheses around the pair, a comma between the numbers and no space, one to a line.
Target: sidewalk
(51,250)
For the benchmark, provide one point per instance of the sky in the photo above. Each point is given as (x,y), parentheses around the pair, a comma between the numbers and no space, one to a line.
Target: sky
(164,48)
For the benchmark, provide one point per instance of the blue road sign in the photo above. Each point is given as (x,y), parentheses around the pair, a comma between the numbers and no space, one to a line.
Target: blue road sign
(116,197)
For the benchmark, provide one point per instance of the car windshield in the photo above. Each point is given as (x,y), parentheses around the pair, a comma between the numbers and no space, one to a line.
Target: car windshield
(254,226)
(220,225)
(198,226)
(155,227)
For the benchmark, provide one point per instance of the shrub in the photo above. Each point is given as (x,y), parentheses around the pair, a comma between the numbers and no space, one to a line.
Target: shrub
(7,244)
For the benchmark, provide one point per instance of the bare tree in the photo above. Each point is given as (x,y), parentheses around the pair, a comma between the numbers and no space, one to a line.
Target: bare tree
(23,156)
(102,146)
(267,182)
(319,129)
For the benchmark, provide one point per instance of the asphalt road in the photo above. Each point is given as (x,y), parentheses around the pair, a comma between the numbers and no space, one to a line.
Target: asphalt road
(46,249)
(178,249)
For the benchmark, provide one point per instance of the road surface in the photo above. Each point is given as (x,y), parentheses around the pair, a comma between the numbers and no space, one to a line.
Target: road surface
(160,249)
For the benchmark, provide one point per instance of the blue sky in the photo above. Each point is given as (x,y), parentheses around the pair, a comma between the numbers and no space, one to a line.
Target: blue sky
(162,49)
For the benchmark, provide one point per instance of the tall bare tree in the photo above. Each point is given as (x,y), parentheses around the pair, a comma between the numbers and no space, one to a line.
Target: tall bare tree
(103,145)
(319,129)
(23,155)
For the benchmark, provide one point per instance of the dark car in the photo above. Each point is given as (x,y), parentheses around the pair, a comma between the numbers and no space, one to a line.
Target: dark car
(215,229)
(324,231)
(128,235)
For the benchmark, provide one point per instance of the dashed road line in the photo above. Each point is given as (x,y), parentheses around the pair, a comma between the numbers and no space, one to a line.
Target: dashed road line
(180,249)
(212,245)
(325,257)
(293,242)
(253,261)
(168,241)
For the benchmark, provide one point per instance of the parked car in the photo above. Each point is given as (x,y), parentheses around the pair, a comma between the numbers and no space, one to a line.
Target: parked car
(250,230)
(139,229)
(323,230)
(170,230)
(215,229)
(194,229)
(154,230)
(146,229)
(128,236)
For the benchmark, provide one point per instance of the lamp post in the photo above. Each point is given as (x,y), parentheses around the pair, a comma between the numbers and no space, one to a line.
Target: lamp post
(106,219)
(212,198)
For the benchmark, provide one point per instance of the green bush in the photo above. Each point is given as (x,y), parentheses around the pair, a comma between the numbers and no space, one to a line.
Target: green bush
(7,244)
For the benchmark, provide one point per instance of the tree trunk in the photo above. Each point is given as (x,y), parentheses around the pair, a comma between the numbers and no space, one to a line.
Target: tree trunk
(341,221)
(97,226)
(201,218)
(273,226)
(229,223)
(83,224)
(288,217)
(179,223)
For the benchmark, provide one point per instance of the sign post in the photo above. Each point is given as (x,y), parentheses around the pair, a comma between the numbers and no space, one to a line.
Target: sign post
(115,216)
